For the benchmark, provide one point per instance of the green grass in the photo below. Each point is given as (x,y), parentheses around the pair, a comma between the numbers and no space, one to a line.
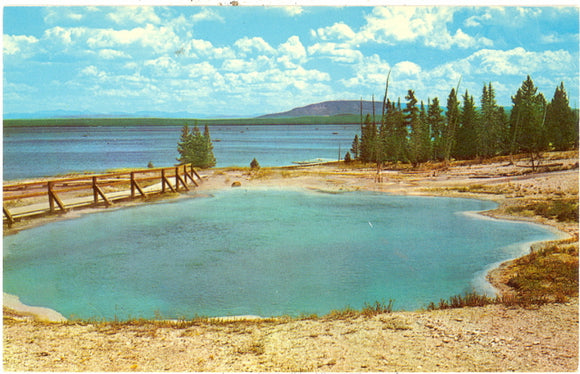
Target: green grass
(562,210)
(461,301)
(550,273)
(546,275)
(368,310)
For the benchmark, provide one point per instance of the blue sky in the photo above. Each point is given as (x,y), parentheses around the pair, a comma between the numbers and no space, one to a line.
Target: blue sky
(245,61)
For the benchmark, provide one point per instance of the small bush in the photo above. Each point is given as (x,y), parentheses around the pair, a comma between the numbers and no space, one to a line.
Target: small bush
(347,158)
(459,301)
(254,164)
(370,310)
(563,210)
(344,313)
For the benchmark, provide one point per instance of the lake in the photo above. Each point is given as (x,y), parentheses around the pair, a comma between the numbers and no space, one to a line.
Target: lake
(265,252)
(31,152)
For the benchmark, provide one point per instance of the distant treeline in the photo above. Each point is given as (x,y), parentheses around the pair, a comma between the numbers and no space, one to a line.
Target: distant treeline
(81,122)
(419,133)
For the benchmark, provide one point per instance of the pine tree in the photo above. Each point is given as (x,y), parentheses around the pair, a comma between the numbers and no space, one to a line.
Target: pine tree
(452,115)
(400,132)
(425,149)
(393,133)
(195,148)
(416,152)
(209,158)
(527,121)
(368,142)
(184,145)
(561,124)
(355,147)
(466,140)
(437,123)
(490,127)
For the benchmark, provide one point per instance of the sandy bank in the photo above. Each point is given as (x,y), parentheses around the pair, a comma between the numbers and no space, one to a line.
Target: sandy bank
(12,302)
(491,338)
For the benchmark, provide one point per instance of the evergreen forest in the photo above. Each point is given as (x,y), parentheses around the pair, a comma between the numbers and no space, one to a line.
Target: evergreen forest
(416,133)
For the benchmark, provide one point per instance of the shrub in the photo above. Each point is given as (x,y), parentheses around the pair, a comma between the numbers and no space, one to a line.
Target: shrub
(551,272)
(347,157)
(370,310)
(563,210)
(254,164)
(459,301)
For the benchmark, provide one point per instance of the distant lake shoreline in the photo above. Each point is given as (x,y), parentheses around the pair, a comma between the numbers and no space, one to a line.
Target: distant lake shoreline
(42,151)
(346,119)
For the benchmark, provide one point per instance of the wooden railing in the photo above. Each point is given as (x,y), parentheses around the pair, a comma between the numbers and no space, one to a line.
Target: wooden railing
(26,199)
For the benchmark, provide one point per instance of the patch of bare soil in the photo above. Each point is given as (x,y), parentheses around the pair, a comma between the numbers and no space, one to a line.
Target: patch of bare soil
(491,338)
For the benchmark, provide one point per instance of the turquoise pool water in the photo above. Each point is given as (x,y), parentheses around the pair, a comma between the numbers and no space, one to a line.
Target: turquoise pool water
(263,252)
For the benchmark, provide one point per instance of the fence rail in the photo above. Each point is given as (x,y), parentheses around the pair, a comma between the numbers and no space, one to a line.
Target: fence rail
(22,200)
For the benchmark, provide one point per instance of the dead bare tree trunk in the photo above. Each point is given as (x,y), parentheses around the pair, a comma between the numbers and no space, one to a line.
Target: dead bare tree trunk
(379,177)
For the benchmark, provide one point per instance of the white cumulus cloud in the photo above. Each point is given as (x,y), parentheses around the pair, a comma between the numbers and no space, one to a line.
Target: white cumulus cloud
(19,44)
(338,31)
(429,25)
(518,61)
(124,15)
(407,68)
(159,38)
(338,52)
(256,44)
(111,54)
(293,48)
(293,10)
(206,14)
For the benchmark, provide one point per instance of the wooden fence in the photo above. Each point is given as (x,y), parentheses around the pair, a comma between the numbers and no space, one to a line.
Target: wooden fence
(59,195)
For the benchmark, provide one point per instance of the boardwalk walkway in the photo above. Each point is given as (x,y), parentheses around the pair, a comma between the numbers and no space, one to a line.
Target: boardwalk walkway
(57,196)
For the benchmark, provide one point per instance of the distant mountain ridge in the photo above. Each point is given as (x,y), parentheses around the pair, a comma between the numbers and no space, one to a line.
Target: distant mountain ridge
(322,109)
(330,108)
(67,114)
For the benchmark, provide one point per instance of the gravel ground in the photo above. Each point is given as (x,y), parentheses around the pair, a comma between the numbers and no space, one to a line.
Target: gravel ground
(491,338)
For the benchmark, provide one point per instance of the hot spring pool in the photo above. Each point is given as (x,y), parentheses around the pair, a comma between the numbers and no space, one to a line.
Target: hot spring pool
(261,252)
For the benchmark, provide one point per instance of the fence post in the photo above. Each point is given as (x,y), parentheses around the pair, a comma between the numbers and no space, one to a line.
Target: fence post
(50,201)
(176,178)
(97,191)
(53,197)
(135,186)
(165,181)
(187,174)
(179,179)
(195,172)
(8,216)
